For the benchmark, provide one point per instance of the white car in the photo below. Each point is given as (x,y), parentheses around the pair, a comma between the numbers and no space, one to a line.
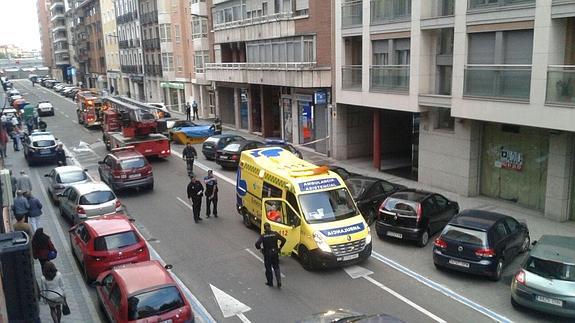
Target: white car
(45,108)
(9,112)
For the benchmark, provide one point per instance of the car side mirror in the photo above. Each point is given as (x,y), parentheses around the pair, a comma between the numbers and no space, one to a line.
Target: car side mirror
(96,283)
(131,219)
(101,162)
(534,242)
(46,175)
(168,266)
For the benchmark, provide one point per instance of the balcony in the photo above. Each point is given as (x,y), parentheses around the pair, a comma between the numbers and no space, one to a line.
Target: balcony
(439,14)
(563,8)
(149,18)
(264,27)
(389,11)
(351,14)
(498,82)
(123,44)
(57,15)
(60,37)
(151,44)
(199,8)
(281,74)
(488,4)
(57,4)
(153,70)
(351,77)
(131,69)
(561,85)
(389,78)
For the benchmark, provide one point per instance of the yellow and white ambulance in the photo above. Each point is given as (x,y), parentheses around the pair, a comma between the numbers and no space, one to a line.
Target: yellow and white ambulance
(309,205)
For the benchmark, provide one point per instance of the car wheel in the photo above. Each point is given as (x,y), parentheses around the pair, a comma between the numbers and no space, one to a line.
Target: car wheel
(305,258)
(515,305)
(438,266)
(525,245)
(246,220)
(151,187)
(62,214)
(370,217)
(87,279)
(423,239)
(498,271)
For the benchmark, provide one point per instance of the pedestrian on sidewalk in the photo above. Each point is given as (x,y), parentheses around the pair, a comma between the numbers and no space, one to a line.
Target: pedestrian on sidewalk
(20,225)
(189,154)
(14,183)
(53,290)
(34,212)
(271,252)
(195,109)
(188,111)
(3,142)
(195,194)
(211,194)
(23,182)
(17,138)
(30,125)
(42,247)
(15,122)
(60,155)
(21,205)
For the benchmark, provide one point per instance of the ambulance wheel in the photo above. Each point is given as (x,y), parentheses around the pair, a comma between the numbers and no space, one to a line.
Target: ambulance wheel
(246,220)
(305,258)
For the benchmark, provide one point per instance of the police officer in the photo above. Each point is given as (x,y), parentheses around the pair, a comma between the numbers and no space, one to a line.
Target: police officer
(60,155)
(195,193)
(189,154)
(271,253)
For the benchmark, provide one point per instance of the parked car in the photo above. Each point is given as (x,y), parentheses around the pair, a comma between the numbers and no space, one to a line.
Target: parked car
(66,89)
(62,177)
(414,215)
(229,157)
(171,125)
(369,193)
(125,168)
(278,142)
(13,98)
(480,242)
(9,112)
(144,290)
(342,172)
(72,93)
(51,83)
(45,108)
(59,87)
(103,243)
(546,281)
(211,146)
(40,147)
(80,202)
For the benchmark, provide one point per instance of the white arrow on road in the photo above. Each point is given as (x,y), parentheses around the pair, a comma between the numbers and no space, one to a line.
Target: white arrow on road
(229,305)
(359,272)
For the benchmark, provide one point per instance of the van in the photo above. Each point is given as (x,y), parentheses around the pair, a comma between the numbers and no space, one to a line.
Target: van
(309,205)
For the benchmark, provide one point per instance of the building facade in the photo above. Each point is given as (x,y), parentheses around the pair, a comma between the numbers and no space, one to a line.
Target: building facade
(202,53)
(471,96)
(111,49)
(60,45)
(129,42)
(43,9)
(272,68)
(151,49)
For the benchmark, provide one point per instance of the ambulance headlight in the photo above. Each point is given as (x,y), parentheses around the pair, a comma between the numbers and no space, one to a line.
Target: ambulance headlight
(368,238)
(321,242)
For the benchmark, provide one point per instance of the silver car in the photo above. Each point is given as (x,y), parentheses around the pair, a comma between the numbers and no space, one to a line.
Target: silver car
(546,281)
(83,201)
(61,177)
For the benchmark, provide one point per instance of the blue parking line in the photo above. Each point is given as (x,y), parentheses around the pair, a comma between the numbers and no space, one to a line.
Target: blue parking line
(442,289)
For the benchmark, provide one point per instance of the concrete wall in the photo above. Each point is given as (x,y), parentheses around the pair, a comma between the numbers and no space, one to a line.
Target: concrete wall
(559,176)
(359,129)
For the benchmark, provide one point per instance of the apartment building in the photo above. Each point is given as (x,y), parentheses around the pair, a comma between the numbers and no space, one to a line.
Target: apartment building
(60,43)
(111,48)
(202,53)
(129,42)
(474,96)
(43,9)
(150,30)
(272,68)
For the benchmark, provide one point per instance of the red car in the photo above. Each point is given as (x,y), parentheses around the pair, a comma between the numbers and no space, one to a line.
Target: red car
(104,242)
(142,292)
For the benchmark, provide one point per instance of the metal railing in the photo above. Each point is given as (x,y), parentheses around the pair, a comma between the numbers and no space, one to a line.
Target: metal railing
(153,43)
(442,8)
(482,4)
(255,20)
(512,82)
(560,85)
(351,76)
(386,11)
(351,13)
(133,69)
(149,18)
(262,66)
(153,69)
(389,78)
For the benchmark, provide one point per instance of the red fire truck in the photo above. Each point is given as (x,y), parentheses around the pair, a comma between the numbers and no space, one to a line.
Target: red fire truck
(89,108)
(127,122)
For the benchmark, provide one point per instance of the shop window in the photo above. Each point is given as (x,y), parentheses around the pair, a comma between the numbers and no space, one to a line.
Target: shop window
(510,128)
(444,119)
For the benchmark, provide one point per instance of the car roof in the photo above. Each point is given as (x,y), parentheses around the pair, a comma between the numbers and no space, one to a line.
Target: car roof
(66,169)
(126,154)
(412,195)
(225,135)
(555,248)
(85,188)
(106,225)
(35,137)
(44,103)
(477,219)
(142,276)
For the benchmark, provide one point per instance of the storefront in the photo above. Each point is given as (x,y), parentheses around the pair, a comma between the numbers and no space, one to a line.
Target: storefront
(174,95)
(514,164)
(313,120)
(286,107)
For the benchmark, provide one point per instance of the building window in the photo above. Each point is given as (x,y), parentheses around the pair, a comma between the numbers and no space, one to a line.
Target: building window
(444,119)
(167,61)
(199,27)
(165,33)
(177,33)
(200,58)
(179,63)
(282,50)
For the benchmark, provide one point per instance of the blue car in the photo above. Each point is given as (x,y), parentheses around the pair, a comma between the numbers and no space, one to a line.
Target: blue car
(40,147)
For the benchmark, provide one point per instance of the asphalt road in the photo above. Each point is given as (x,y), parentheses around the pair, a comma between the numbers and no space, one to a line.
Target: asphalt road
(220,252)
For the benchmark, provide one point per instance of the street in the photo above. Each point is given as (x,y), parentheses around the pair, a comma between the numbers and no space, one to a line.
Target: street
(218,255)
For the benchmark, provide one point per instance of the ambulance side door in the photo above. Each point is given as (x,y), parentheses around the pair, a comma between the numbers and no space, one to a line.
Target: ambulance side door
(286,225)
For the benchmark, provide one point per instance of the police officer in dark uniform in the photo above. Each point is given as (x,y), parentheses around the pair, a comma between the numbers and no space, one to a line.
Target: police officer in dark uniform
(195,193)
(189,155)
(60,155)
(271,253)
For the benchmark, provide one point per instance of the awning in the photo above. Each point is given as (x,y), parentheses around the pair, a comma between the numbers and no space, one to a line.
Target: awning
(172,85)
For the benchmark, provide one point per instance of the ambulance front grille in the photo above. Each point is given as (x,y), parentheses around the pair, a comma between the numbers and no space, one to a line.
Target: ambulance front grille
(347,248)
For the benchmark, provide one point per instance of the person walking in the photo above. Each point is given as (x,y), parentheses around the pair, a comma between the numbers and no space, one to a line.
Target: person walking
(23,182)
(3,142)
(20,225)
(15,122)
(17,138)
(30,124)
(195,109)
(52,286)
(21,206)
(211,194)
(60,155)
(189,154)
(14,183)
(42,247)
(188,111)
(271,252)
(34,212)
(195,193)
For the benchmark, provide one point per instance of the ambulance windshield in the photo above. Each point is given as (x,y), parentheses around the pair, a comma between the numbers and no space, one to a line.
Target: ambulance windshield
(327,206)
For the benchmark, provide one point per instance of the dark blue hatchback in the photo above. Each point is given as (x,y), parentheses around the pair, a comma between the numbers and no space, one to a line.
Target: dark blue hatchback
(40,147)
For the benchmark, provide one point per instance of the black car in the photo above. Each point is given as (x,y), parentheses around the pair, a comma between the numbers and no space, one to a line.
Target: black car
(229,157)
(342,172)
(214,143)
(72,93)
(480,242)
(278,142)
(369,192)
(414,215)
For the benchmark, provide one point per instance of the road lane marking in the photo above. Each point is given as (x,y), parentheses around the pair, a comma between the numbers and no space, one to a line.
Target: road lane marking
(185,203)
(206,168)
(261,260)
(230,306)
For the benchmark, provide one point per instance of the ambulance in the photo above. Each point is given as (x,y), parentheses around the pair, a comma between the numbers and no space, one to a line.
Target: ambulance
(309,205)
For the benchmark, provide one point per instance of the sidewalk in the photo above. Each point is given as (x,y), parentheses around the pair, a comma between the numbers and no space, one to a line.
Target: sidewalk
(77,292)
(538,225)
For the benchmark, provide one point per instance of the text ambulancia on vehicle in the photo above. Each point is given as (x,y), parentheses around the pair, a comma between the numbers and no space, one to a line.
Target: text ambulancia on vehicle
(309,205)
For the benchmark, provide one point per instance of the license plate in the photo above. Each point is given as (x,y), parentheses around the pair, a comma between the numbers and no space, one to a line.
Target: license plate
(348,257)
(135,176)
(148,151)
(224,157)
(166,321)
(459,263)
(548,300)
(394,234)
(44,152)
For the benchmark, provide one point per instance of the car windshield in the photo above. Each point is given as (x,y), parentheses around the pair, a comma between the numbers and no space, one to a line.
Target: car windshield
(212,139)
(550,269)
(97,197)
(465,235)
(43,143)
(71,177)
(154,302)
(116,241)
(401,206)
(233,147)
(327,206)
(133,163)
(358,186)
